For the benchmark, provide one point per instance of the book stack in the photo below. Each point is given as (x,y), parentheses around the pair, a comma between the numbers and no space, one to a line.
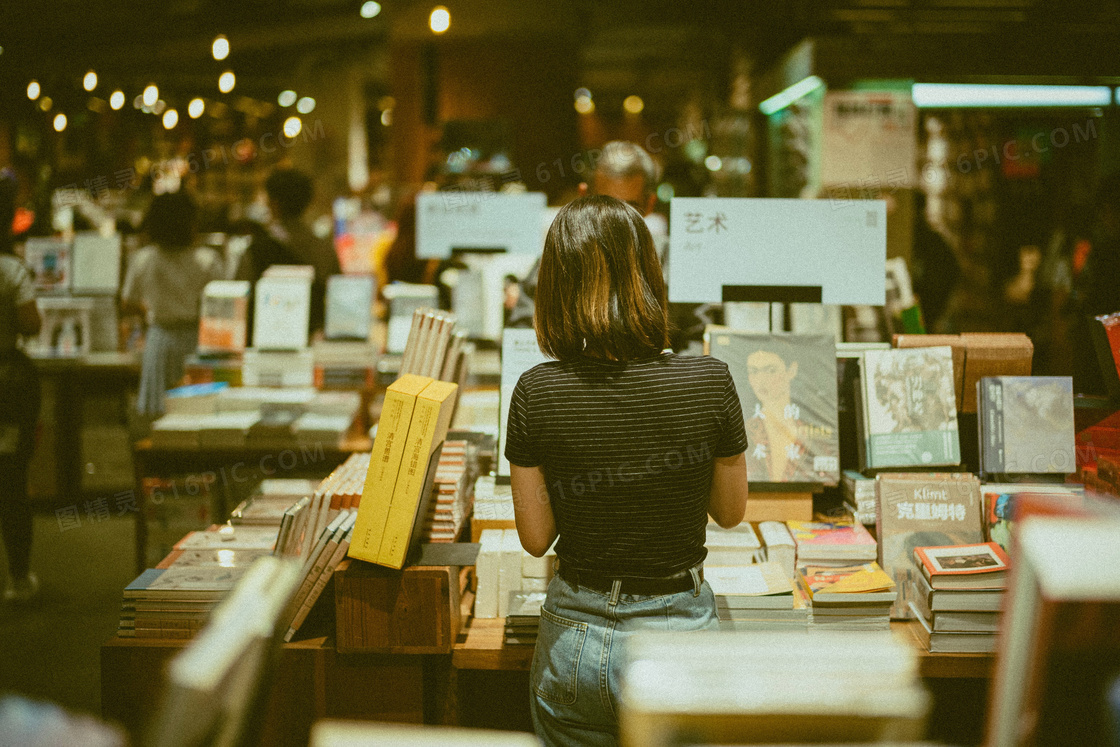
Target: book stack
(452,493)
(493,507)
(193,399)
(779,546)
(832,543)
(344,364)
(523,618)
(270,500)
(770,688)
(916,510)
(958,596)
(857,597)
(398,486)
(174,599)
(504,569)
(174,506)
(859,497)
(278,368)
(733,547)
(757,597)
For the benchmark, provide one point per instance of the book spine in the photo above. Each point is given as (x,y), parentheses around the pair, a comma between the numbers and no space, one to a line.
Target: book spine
(425,434)
(411,344)
(381,477)
(995,459)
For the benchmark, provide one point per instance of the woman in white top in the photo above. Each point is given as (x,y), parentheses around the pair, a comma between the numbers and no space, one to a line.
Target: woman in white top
(166,279)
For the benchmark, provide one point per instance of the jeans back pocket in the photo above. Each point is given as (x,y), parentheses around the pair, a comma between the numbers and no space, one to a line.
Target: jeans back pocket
(556,660)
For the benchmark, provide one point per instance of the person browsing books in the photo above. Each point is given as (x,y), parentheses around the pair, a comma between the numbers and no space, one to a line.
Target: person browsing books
(619,451)
(166,280)
(19,401)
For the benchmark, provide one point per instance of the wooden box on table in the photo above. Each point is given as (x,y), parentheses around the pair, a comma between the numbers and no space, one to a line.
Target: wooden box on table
(384,611)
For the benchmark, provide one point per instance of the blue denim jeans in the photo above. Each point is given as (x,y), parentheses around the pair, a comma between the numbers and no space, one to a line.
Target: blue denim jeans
(580,649)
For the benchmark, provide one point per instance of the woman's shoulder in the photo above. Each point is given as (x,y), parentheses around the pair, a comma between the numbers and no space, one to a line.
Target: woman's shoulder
(694,364)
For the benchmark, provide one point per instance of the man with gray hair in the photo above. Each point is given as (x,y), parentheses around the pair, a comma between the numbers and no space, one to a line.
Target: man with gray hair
(623,170)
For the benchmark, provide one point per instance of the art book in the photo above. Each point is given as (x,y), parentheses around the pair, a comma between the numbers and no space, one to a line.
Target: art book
(979,566)
(865,583)
(50,262)
(824,540)
(223,324)
(923,510)
(349,307)
(999,504)
(909,408)
(787,386)
(1026,425)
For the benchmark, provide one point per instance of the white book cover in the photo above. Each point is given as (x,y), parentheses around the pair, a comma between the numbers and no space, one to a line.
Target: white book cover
(96,263)
(281,313)
(349,307)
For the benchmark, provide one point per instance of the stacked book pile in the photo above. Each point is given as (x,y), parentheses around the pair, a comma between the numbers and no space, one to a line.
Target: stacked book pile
(857,597)
(732,547)
(958,596)
(859,497)
(493,507)
(270,500)
(452,492)
(174,599)
(504,570)
(779,546)
(757,597)
(832,543)
(523,618)
(343,364)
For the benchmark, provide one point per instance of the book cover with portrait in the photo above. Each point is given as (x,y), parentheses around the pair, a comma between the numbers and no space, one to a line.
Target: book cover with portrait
(787,387)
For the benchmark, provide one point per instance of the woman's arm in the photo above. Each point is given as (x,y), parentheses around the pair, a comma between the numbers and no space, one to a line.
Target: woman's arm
(728,501)
(532,509)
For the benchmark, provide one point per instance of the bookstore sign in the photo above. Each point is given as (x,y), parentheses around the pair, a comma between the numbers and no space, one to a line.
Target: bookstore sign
(730,249)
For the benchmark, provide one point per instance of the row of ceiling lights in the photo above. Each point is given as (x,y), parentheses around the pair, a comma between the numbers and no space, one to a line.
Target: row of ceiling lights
(586,105)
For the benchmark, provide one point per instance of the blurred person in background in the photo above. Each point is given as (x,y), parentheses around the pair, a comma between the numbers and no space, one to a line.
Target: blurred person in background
(287,239)
(623,170)
(934,267)
(19,401)
(166,279)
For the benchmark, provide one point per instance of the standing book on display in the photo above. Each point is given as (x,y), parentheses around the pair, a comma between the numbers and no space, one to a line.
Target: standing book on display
(1026,425)
(223,324)
(49,260)
(281,312)
(349,307)
(923,510)
(520,352)
(909,411)
(787,386)
(96,263)
(1000,502)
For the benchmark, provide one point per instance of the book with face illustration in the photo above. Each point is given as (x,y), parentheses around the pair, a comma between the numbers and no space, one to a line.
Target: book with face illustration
(909,408)
(787,386)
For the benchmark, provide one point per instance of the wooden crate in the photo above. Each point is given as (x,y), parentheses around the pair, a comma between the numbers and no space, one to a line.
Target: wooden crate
(384,611)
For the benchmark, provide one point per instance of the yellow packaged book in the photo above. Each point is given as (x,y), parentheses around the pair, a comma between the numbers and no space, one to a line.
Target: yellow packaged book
(384,465)
(857,583)
(426,434)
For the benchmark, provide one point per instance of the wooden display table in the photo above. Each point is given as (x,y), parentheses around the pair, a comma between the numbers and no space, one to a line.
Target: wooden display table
(67,382)
(236,470)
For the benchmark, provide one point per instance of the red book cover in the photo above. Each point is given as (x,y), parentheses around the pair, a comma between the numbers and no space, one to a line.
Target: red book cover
(961,560)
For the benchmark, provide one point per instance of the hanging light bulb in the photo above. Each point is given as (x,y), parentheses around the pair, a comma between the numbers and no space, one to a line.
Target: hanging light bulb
(170,119)
(196,108)
(116,101)
(90,81)
(220,47)
(286,98)
(292,126)
(306,105)
(151,95)
(440,19)
(227,81)
(33,90)
(59,122)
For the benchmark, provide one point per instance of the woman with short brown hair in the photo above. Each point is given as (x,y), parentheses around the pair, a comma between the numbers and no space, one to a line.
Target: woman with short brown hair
(619,449)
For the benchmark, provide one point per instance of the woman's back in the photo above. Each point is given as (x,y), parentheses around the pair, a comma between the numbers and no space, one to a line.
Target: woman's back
(169,282)
(627,452)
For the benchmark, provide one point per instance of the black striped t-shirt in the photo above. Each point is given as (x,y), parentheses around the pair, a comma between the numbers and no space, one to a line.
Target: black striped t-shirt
(626,450)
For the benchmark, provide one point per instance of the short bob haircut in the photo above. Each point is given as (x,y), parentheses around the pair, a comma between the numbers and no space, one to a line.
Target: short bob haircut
(170,220)
(600,292)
